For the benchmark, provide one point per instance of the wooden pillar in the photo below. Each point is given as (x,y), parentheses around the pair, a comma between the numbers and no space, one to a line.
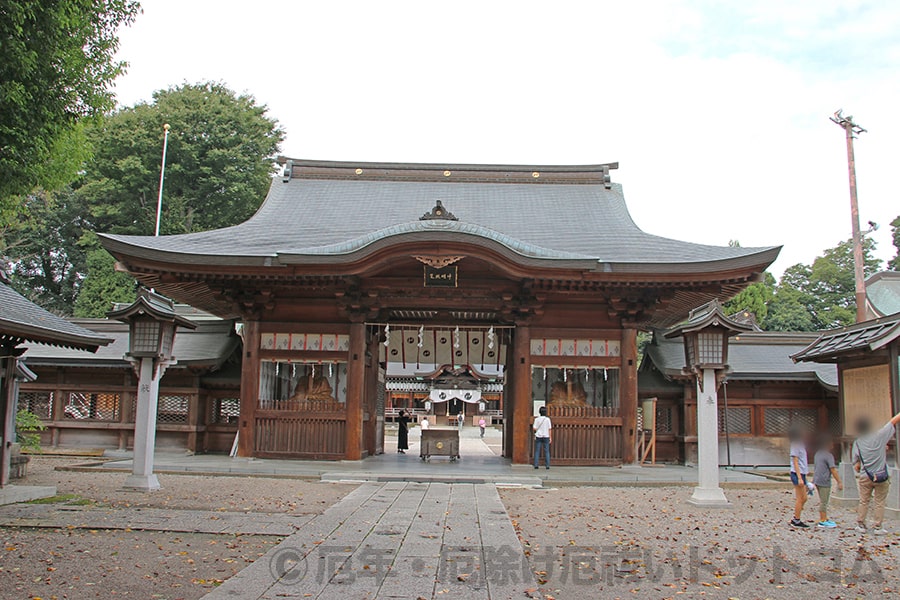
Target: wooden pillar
(356,386)
(629,394)
(249,389)
(369,397)
(126,409)
(894,368)
(196,409)
(56,413)
(7,412)
(521,404)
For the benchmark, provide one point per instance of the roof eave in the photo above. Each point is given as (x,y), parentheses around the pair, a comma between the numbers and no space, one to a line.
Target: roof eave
(51,337)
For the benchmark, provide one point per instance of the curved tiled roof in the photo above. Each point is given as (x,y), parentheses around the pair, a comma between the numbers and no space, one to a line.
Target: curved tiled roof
(883,293)
(752,356)
(325,211)
(856,339)
(21,320)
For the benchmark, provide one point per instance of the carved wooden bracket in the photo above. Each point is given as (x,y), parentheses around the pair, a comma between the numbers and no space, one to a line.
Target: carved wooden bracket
(438,262)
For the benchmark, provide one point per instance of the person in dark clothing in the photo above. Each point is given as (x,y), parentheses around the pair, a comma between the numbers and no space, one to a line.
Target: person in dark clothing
(403,433)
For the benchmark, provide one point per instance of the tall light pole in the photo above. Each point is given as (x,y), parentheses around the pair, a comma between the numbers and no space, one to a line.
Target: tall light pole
(851,130)
(162,177)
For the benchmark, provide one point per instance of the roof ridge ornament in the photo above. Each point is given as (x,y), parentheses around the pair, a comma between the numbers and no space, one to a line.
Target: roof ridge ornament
(439,213)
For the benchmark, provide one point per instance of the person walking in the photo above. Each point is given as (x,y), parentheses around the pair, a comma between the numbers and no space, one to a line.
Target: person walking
(825,469)
(799,471)
(460,419)
(541,428)
(403,432)
(481,425)
(869,458)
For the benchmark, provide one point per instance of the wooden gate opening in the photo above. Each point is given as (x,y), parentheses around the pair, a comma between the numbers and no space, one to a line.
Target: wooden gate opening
(441,371)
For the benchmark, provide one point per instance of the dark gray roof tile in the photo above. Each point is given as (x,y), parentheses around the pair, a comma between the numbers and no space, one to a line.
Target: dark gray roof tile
(23,320)
(334,217)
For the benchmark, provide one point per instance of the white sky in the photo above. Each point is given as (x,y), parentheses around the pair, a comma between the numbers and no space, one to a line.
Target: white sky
(717,112)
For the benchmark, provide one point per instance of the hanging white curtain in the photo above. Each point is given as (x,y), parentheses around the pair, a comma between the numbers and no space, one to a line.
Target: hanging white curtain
(469,396)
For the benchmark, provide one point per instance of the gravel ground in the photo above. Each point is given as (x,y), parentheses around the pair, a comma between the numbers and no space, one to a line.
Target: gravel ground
(248,494)
(78,564)
(649,543)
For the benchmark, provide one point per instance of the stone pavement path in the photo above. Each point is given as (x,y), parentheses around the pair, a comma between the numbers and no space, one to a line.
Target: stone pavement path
(150,519)
(396,540)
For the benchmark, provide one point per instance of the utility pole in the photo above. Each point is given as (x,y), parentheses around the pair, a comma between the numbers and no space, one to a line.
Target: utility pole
(851,130)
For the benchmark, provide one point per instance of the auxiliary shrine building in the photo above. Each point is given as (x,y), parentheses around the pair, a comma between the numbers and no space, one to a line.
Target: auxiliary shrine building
(482,289)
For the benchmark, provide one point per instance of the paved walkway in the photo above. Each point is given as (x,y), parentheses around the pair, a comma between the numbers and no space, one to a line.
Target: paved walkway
(479,464)
(396,540)
(150,519)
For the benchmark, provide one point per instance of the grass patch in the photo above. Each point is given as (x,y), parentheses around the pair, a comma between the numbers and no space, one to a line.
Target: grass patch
(70,499)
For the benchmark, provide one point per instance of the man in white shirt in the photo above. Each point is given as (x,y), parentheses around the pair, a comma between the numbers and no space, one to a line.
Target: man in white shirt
(542,427)
(424,423)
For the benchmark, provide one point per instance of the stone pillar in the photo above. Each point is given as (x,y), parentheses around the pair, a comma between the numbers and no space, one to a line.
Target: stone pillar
(356,386)
(708,493)
(629,395)
(142,476)
(249,389)
(520,404)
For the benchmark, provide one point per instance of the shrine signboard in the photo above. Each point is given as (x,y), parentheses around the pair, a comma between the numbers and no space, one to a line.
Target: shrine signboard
(440,276)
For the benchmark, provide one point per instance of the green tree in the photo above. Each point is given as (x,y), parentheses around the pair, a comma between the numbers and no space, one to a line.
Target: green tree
(894,263)
(820,295)
(788,312)
(104,286)
(48,262)
(218,167)
(754,298)
(57,67)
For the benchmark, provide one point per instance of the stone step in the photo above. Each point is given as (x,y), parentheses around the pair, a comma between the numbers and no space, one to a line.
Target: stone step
(501,480)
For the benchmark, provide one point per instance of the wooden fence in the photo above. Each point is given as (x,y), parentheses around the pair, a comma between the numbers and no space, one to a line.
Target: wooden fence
(585,435)
(314,430)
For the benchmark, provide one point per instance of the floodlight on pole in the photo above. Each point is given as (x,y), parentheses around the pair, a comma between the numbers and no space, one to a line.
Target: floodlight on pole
(162,177)
(851,130)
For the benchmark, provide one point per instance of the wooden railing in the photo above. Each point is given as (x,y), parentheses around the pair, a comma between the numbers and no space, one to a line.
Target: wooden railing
(582,412)
(313,430)
(585,435)
(305,406)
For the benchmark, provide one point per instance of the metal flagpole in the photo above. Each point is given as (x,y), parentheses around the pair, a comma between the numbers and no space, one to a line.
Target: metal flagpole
(162,177)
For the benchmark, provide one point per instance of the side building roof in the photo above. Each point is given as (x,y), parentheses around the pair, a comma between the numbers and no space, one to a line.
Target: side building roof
(21,321)
(207,347)
(859,339)
(883,293)
(752,356)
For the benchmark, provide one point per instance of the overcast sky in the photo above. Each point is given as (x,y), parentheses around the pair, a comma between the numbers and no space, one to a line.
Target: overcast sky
(717,112)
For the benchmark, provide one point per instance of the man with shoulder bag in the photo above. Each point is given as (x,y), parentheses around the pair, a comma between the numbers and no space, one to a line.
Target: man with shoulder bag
(869,457)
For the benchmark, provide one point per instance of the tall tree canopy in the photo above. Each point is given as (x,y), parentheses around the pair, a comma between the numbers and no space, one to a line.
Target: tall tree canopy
(218,169)
(894,263)
(820,295)
(754,298)
(218,166)
(56,67)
